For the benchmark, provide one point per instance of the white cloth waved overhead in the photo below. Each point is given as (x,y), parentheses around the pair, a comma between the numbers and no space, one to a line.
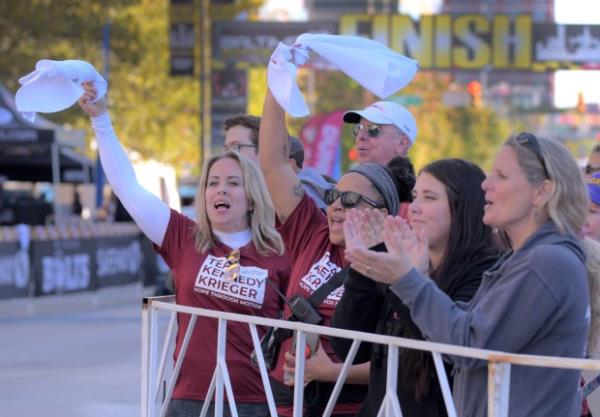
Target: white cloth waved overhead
(371,64)
(56,85)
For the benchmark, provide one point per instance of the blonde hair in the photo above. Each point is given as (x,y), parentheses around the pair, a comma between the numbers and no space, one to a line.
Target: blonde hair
(592,266)
(261,214)
(568,203)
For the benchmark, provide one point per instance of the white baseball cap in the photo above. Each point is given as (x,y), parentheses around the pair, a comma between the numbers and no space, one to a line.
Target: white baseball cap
(386,113)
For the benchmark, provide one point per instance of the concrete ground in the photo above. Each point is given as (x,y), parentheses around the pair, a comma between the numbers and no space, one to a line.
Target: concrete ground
(71,356)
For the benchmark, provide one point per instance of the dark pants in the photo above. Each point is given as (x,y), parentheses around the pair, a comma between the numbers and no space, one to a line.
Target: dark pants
(192,408)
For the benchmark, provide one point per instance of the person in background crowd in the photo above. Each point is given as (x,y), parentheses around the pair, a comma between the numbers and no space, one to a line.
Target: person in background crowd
(382,131)
(591,228)
(592,252)
(314,183)
(315,243)
(241,135)
(593,163)
(534,300)
(447,207)
(231,249)
(404,177)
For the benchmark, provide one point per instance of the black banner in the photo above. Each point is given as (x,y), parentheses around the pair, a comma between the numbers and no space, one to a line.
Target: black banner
(118,260)
(14,271)
(155,269)
(254,42)
(63,266)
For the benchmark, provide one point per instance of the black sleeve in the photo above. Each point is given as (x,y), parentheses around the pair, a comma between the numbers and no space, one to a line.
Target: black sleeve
(358,310)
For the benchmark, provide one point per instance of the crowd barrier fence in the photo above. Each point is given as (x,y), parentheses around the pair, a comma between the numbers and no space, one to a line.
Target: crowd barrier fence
(157,387)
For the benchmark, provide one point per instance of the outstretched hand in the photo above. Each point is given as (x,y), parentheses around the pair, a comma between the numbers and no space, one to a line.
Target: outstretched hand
(85,101)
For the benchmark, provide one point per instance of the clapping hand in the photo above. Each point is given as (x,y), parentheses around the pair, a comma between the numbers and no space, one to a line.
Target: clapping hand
(86,101)
(364,228)
(401,239)
(405,248)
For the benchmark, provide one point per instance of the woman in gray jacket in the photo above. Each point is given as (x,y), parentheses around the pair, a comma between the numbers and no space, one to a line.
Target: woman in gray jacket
(534,300)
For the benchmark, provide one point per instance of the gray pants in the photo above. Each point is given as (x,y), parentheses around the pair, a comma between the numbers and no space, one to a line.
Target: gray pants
(192,408)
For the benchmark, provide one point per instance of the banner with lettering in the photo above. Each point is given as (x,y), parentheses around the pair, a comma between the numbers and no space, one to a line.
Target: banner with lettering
(63,266)
(14,270)
(118,260)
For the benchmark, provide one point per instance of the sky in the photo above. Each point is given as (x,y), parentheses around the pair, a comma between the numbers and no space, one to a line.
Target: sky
(568,84)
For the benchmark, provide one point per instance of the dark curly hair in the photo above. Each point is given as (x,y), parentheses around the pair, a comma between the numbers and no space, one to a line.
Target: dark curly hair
(403,173)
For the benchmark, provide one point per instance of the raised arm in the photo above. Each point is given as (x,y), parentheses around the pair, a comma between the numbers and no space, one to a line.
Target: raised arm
(148,211)
(283,183)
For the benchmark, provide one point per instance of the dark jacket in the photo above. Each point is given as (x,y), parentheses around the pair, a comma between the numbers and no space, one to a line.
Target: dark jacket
(370,307)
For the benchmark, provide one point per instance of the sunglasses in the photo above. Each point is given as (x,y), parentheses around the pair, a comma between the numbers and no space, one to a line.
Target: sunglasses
(529,141)
(232,269)
(349,199)
(373,130)
(589,169)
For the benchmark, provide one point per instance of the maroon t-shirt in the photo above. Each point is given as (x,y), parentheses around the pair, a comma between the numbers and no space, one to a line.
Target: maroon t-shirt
(199,282)
(314,261)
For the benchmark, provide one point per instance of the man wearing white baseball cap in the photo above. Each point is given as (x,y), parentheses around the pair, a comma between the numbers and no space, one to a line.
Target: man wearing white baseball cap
(383,131)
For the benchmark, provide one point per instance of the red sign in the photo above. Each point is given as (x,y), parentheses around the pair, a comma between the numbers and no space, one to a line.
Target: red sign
(321,137)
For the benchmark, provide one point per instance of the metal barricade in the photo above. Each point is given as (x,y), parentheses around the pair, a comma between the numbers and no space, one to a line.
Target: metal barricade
(153,364)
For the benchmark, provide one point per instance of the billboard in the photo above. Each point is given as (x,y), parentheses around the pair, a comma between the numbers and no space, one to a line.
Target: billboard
(475,42)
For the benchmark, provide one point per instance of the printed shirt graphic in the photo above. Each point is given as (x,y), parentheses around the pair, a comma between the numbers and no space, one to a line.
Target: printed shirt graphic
(199,282)
(319,273)
(247,289)
(314,261)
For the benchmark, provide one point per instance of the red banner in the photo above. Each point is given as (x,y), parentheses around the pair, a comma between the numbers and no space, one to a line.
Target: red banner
(321,137)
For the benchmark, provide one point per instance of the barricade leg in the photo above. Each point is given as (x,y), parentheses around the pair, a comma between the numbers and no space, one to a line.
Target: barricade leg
(498,388)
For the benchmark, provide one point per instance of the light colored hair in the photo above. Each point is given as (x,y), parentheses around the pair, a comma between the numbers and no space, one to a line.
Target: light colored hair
(592,266)
(261,213)
(568,203)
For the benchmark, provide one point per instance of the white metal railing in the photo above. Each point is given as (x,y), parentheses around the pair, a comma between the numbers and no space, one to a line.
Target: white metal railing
(153,365)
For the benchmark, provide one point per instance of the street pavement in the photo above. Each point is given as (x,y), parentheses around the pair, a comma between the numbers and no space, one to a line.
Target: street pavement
(72,355)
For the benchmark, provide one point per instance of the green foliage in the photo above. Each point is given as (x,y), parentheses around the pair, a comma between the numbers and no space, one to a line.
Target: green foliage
(153,113)
(472,133)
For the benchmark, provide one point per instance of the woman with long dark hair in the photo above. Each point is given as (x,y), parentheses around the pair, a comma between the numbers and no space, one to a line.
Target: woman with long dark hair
(447,207)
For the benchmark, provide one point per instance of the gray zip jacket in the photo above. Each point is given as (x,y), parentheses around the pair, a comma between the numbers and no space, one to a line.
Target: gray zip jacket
(532,301)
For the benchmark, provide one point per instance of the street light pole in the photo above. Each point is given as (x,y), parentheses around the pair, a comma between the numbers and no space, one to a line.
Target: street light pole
(205,79)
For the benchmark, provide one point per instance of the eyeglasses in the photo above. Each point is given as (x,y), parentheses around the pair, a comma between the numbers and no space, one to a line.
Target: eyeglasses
(236,147)
(232,269)
(529,141)
(589,169)
(349,199)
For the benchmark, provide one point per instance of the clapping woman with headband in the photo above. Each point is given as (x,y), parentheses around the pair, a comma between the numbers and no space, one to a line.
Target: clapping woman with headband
(315,244)
(534,300)
(221,262)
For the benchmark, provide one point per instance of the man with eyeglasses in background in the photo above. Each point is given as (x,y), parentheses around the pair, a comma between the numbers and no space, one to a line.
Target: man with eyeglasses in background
(383,131)
(593,163)
(241,135)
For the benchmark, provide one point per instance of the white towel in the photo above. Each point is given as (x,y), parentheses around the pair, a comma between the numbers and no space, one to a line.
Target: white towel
(56,85)
(371,64)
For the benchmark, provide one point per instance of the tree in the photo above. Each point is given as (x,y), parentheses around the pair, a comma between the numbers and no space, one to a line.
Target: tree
(153,113)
